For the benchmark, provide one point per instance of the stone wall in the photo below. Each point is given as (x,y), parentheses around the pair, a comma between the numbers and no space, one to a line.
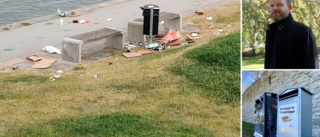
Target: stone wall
(278,81)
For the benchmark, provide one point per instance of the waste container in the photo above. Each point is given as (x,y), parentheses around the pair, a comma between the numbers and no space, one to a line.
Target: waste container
(146,20)
(265,121)
(295,113)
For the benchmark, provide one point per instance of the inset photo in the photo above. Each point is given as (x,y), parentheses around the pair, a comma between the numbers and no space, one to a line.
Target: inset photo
(280,34)
(280,103)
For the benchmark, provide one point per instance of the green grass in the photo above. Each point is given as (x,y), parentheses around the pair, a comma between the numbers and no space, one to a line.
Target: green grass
(248,127)
(214,67)
(26,78)
(116,124)
(253,63)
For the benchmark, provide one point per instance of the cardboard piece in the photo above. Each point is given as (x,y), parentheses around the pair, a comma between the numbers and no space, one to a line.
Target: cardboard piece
(44,63)
(146,52)
(172,38)
(131,55)
(34,58)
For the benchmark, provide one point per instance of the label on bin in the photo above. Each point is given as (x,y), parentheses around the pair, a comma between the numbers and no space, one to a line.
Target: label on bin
(288,116)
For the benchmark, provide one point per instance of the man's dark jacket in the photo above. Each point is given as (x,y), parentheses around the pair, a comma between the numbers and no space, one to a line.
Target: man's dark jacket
(295,46)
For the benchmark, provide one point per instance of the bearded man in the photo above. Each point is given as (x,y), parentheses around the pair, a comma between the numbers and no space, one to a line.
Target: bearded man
(289,44)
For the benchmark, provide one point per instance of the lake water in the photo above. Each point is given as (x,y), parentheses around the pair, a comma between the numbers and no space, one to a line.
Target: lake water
(19,10)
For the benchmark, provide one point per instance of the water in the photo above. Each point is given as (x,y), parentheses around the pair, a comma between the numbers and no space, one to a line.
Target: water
(19,10)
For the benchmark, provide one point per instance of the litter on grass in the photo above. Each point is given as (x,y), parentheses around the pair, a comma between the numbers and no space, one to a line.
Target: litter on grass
(209,18)
(173,38)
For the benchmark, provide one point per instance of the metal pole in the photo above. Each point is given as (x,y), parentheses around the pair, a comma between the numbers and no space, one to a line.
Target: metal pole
(151,25)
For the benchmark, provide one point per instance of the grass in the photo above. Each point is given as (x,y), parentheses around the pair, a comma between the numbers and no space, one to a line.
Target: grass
(145,91)
(253,63)
(116,124)
(219,59)
(248,127)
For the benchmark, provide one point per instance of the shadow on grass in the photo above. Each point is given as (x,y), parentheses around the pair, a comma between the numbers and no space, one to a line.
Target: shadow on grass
(116,124)
(214,67)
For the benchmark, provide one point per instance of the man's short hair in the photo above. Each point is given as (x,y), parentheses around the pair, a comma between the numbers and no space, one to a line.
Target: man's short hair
(288,2)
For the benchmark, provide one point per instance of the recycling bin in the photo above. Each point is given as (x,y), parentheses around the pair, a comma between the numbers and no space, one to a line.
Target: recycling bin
(147,16)
(265,121)
(294,113)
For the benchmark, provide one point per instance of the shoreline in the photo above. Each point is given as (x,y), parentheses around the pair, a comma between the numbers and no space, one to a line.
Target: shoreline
(79,12)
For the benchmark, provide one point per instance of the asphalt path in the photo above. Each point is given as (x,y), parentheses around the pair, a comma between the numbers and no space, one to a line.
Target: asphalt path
(29,40)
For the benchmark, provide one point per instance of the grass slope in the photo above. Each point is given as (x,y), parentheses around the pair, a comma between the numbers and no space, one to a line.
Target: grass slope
(214,67)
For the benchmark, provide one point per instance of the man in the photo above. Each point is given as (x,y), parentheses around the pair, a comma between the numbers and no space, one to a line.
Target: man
(289,44)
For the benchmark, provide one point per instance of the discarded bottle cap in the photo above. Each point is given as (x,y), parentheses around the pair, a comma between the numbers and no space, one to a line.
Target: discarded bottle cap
(95,76)
(87,21)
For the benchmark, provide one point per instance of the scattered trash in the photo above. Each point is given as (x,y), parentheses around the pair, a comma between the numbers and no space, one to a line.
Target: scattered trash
(87,21)
(220,30)
(131,55)
(52,79)
(211,27)
(198,12)
(75,21)
(188,23)
(48,23)
(15,67)
(172,38)
(51,50)
(56,76)
(184,43)
(196,37)
(96,23)
(194,34)
(8,49)
(110,62)
(95,76)
(82,21)
(190,40)
(162,23)
(209,18)
(116,59)
(62,13)
(34,58)
(44,63)
(61,21)
(229,25)
(73,13)
(151,46)
(67,29)
(60,71)
(109,19)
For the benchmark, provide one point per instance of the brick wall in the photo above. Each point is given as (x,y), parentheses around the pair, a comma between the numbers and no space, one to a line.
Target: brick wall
(277,81)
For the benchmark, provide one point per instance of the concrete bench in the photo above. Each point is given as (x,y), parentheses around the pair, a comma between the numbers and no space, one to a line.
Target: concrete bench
(71,47)
(135,27)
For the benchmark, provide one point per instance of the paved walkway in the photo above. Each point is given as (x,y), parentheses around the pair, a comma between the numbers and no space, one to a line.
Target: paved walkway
(29,40)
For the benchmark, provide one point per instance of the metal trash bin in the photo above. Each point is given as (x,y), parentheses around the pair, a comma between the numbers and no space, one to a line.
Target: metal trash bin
(146,20)
(295,113)
(265,121)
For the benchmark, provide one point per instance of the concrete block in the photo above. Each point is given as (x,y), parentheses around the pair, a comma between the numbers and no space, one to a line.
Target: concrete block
(173,23)
(115,41)
(71,50)
(135,32)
